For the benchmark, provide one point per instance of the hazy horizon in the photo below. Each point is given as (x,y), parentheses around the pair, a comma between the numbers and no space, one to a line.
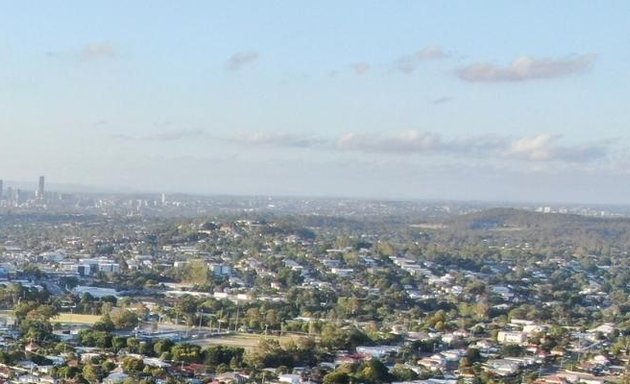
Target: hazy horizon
(86,189)
(399,100)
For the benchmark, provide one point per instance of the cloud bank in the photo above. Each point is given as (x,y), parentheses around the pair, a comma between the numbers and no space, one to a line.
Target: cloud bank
(527,68)
(540,148)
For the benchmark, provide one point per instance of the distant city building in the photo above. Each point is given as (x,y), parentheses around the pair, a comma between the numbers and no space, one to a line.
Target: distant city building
(1,190)
(9,194)
(40,188)
(18,196)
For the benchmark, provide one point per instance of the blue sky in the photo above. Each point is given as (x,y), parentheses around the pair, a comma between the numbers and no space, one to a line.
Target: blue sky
(489,100)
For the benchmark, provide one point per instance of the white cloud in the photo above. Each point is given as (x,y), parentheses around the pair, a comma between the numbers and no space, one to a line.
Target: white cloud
(431,53)
(532,148)
(174,135)
(361,68)
(545,148)
(409,63)
(527,68)
(97,51)
(407,142)
(441,100)
(240,60)
(91,52)
(277,140)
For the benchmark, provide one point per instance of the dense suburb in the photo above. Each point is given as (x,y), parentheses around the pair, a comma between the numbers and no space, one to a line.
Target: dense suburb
(497,295)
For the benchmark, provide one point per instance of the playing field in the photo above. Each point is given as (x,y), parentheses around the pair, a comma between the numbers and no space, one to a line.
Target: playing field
(244,340)
(73,318)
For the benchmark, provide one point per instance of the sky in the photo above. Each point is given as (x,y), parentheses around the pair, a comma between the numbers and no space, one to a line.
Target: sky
(485,100)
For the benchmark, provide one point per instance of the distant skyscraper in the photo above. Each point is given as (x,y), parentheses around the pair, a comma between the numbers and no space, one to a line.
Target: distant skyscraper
(1,190)
(40,188)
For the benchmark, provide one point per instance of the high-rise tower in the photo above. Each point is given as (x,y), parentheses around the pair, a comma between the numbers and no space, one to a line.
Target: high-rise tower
(40,188)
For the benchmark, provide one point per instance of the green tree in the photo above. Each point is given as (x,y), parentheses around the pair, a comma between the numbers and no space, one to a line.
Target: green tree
(337,377)
(124,319)
(132,365)
(119,342)
(163,345)
(402,373)
(189,353)
(105,323)
(186,307)
(374,371)
(92,373)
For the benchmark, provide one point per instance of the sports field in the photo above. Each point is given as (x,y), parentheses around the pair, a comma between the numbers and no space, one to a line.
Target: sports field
(244,340)
(73,318)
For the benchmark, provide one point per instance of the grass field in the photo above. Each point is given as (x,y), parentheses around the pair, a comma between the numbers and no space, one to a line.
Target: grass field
(73,318)
(244,340)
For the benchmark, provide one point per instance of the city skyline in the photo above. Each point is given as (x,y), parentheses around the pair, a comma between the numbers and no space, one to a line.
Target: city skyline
(404,100)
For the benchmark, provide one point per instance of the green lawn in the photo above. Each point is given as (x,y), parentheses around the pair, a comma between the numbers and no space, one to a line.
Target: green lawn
(244,340)
(73,318)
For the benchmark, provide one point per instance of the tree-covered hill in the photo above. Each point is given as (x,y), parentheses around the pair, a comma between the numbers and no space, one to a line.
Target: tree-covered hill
(591,234)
